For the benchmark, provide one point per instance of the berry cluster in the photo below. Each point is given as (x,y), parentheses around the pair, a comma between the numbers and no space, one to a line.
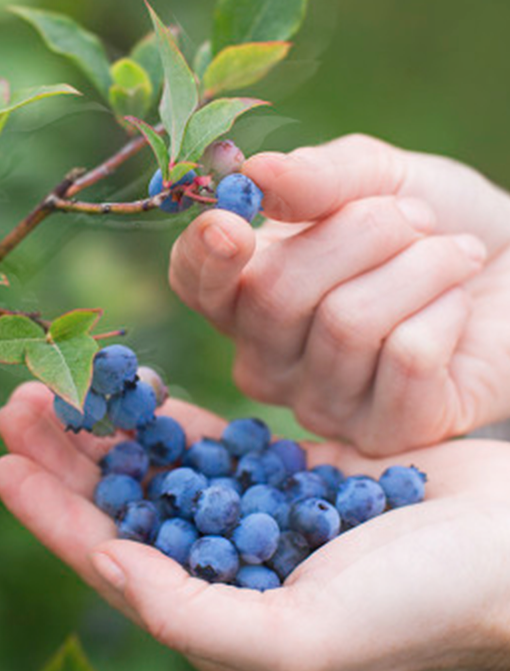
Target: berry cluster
(234,192)
(243,509)
(121,394)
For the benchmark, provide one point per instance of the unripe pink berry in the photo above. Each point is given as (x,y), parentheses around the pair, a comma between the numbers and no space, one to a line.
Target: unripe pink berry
(222,158)
(149,376)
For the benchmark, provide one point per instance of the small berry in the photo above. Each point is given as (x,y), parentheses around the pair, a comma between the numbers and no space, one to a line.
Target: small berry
(127,458)
(232,483)
(260,578)
(181,491)
(246,435)
(291,551)
(164,439)
(222,158)
(359,499)
(139,522)
(114,492)
(237,193)
(256,538)
(94,410)
(316,519)
(155,380)
(175,202)
(305,485)
(260,468)
(175,538)
(214,559)
(217,511)
(292,455)
(266,499)
(403,486)
(114,367)
(333,478)
(209,457)
(134,408)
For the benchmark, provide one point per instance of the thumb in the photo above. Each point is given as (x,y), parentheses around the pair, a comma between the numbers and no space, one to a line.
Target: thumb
(313,182)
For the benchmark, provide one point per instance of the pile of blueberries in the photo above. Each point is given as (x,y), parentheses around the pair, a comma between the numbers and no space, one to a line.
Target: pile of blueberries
(234,191)
(243,509)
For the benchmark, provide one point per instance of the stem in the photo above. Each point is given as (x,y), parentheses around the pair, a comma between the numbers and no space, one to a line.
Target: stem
(136,207)
(34,316)
(113,334)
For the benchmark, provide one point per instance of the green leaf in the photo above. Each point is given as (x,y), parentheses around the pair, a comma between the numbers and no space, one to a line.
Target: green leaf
(70,657)
(131,92)
(16,333)
(203,59)
(179,170)
(242,65)
(146,54)
(33,95)
(66,37)
(5,96)
(180,97)
(212,121)
(239,21)
(74,324)
(156,143)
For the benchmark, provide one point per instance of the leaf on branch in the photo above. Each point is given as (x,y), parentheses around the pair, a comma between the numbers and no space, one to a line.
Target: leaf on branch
(180,96)
(25,97)
(66,37)
(179,170)
(131,92)
(203,59)
(156,143)
(239,21)
(242,65)
(213,121)
(61,359)
(70,657)
(146,54)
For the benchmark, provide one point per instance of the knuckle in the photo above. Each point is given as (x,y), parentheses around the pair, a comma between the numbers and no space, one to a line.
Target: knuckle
(413,352)
(264,296)
(251,378)
(345,319)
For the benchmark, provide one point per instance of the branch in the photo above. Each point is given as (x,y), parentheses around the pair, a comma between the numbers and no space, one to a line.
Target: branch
(136,207)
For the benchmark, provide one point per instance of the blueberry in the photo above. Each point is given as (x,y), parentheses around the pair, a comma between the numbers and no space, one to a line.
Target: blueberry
(175,202)
(164,439)
(266,499)
(175,538)
(114,367)
(218,510)
(332,477)
(305,485)
(260,578)
(232,483)
(260,468)
(292,549)
(153,492)
(114,492)
(151,377)
(127,458)
(359,499)
(94,411)
(214,558)
(237,193)
(403,486)
(246,435)
(181,490)
(139,522)
(134,408)
(209,457)
(316,519)
(222,158)
(292,455)
(256,538)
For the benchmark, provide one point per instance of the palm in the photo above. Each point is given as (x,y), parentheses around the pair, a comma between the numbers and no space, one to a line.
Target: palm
(370,595)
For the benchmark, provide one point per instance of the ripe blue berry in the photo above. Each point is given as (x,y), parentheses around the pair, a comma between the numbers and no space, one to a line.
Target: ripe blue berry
(260,578)
(316,520)
(214,558)
(292,549)
(94,411)
(332,477)
(139,522)
(181,491)
(153,492)
(164,439)
(292,455)
(260,468)
(218,510)
(127,458)
(114,367)
(359,499)
(174,203)
(256,538)
(246,435)
(266,499)
(237,193)
(209,457)
(175,538)
(222,158)
(114,492)
(232,483)
(403,486)
(305,485)
(134,408)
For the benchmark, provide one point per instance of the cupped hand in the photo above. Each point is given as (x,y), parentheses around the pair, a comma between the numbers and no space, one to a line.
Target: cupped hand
(382,319)
(421,588)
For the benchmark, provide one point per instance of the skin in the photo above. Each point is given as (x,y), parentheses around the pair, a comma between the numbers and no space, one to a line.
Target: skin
(418,589)
(366,301)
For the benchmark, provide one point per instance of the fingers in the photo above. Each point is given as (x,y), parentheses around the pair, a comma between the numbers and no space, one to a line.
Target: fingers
(207,262)
(355,319)
(215,622)
(314,182)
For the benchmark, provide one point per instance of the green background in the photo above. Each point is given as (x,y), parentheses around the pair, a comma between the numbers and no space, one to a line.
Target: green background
(428,75)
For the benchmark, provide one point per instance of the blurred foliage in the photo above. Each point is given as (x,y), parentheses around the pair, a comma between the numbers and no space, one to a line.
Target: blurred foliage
(427,75)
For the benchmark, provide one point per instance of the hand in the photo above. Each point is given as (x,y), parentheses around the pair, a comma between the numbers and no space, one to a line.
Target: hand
(416,589)
(377,320)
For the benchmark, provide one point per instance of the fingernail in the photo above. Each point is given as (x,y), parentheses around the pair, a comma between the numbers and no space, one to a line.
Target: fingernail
(218,242)
(419,215)
(472,247)
(109,570)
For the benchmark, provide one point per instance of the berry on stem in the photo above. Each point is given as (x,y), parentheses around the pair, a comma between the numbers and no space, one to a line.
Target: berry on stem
(237,193)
